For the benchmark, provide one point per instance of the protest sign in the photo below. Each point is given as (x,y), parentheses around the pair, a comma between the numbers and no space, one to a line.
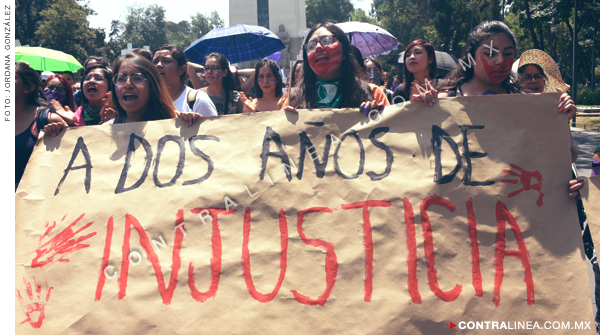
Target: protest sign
(322,222)
(590,195)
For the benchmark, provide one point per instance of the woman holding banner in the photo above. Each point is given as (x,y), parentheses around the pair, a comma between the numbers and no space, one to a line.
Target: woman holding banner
(538,73)
(332,77)
(485,68)
(419,68)
(96,102)
(140,93)
(32,111)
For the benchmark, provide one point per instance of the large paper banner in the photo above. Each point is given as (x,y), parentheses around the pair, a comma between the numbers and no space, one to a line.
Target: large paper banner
(590,195)
(322,222)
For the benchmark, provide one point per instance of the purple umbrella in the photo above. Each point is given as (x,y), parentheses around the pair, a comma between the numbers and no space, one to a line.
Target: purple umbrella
(370,39)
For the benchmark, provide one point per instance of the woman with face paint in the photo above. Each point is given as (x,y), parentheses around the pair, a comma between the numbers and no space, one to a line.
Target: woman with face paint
(491,49)
(332,77)
(419,68)
(375,73)
(221,88)
(269,88)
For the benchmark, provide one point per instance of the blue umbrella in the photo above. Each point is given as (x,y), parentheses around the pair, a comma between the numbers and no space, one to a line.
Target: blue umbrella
(238,43)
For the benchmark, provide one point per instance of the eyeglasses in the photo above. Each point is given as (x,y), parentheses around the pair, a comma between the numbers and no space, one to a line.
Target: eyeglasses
(58,88)
(93,77)
(213,68)
(528,77)
(137,79)
(323,40)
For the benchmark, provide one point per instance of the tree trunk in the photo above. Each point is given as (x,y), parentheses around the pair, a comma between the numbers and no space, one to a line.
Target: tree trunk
(536,45)
(541,30)
(583,66)
(30,25)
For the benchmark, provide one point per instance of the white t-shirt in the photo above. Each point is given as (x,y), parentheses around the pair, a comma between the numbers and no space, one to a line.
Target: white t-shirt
(203,105)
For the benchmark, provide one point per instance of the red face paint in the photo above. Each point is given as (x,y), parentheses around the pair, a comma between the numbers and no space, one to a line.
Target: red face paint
(497,74)
(333,51)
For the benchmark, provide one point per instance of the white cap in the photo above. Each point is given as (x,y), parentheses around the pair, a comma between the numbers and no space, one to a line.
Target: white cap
(46,75)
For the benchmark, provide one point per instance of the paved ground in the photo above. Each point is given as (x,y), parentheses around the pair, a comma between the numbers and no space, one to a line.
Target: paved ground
(586,142)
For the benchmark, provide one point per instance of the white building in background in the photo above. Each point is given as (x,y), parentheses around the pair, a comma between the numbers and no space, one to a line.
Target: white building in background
(271,14)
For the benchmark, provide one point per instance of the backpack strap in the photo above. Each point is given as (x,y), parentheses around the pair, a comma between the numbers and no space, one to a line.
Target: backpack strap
(191,98)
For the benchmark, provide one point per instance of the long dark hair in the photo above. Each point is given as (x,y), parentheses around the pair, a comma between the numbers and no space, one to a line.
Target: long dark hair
(29,77)
(68,89)
(105,72)
(354,81)
(160,105)
(293,72)
(228,84)
(275,69)
(464,73)
(404,88)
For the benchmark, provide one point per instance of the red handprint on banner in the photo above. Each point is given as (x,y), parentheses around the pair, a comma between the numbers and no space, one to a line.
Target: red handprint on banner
(34,306)
(525,179)
(64,243)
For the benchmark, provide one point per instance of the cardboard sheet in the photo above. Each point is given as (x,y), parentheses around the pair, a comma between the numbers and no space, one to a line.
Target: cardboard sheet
(322,222)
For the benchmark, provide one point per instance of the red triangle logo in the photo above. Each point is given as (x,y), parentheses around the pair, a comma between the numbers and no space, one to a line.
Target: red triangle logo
(452,325)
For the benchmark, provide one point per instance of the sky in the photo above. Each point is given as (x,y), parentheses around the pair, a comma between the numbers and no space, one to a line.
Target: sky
(176,11)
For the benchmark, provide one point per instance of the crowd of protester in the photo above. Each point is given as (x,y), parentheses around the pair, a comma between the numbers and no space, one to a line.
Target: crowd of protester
(162,84)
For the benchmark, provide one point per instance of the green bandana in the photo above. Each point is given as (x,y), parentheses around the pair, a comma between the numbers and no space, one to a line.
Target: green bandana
(91,116)
(329,93)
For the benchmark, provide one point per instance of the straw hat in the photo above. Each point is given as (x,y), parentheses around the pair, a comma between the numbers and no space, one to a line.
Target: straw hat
(538,57)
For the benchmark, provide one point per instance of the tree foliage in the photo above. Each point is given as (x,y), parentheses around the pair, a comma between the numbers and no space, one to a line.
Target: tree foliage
(361,16)
(145,26)
(318,11)
(539,24)
(202,24)
(548,25)
(28,14)
(64,26)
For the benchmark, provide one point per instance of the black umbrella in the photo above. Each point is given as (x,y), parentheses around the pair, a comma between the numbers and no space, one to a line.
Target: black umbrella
(445,61)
